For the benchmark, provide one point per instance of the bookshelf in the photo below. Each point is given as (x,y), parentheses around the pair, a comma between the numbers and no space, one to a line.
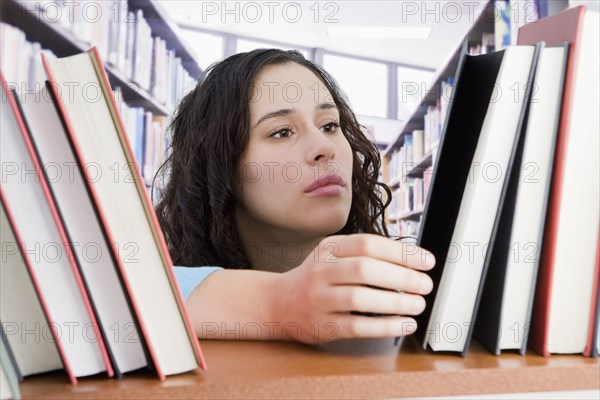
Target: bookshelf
(418,168)
(255,369)
(246,369)
(63,43)
(146,91)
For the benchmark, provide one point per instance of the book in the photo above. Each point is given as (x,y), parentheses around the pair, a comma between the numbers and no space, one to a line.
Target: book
(454,309)
(564,292)
(474,85)
(9,376)
(24,323)
(97,134)
(86,237)
(591,349)
(32,213)
(505,310)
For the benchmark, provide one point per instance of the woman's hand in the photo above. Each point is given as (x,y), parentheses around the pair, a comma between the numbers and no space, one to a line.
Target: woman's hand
(312,302)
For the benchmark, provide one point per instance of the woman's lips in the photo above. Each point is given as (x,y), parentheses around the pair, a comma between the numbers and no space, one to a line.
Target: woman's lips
(328,185)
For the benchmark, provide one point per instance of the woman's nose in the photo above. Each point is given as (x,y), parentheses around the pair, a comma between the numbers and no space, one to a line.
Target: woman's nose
(320,147)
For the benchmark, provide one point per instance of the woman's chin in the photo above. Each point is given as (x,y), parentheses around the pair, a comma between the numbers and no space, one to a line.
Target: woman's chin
(325,226)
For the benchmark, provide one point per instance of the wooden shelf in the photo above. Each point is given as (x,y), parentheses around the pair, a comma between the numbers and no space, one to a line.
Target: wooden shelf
(418,169)
(239,369)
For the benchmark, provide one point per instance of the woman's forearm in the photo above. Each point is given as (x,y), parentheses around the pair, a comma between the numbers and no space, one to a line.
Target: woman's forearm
(235,305)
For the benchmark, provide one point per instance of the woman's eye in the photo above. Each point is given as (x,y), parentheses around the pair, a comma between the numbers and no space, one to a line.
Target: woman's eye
(282,133)
(330,127)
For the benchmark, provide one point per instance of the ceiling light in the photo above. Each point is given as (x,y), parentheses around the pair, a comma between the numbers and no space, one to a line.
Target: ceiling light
(379,32)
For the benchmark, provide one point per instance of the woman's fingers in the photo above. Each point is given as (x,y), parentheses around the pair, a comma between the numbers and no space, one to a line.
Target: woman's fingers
(374,272)
(366,299)
(352,326)
(375,246)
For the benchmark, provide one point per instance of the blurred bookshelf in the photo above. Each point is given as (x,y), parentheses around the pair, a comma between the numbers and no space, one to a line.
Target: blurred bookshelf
(148,63)
(409,159)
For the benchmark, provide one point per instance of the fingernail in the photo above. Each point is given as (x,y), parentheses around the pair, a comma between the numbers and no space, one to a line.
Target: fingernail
(426,285)
(418,305)
(409,328)
(427,259)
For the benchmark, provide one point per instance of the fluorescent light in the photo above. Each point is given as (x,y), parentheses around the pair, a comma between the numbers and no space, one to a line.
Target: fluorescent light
(379,32)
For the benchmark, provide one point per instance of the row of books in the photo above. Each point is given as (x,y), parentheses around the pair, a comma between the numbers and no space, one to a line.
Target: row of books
(513,214)
(409,197)
(21,60)
(147,131)
(421,142)
(87,279)
(123,38)
(433,121)
(403,159)
(147,134)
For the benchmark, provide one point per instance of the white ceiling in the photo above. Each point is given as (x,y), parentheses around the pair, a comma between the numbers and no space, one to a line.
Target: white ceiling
(305,23)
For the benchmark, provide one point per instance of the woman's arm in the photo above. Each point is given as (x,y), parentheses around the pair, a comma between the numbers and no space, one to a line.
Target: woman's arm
(311,302)
(235,305)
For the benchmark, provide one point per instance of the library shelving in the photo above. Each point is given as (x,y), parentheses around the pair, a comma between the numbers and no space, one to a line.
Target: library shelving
(399,167)
(149,65)
(62,42)
(313,373)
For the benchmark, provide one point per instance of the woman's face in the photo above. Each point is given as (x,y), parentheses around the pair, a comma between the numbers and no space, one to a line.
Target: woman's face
(295,141)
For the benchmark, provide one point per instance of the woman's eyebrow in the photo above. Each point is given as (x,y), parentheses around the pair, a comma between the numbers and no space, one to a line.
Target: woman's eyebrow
(279,113)
(325,106)
(287,111)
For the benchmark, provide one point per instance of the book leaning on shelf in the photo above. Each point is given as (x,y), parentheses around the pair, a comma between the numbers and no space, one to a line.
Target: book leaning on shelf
(567,285)
(98,137)
(33,215)
(9,373)
(135,290)
(77,213)
(21,311)
(510,283)
(487,141)
(481,206)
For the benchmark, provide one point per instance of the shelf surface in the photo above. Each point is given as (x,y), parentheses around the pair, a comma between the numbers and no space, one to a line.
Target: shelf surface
(245,369)
(419,168)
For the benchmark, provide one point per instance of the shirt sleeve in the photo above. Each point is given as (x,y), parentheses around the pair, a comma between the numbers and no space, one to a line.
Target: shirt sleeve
(190,277)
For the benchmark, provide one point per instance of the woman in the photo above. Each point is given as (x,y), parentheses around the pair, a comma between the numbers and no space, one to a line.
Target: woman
(272,180)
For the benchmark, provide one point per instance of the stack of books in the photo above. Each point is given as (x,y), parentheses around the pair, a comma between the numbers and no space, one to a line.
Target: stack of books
(87,279)
(512,214)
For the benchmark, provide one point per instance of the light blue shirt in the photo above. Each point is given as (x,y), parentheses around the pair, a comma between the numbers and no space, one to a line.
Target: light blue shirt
(190,277)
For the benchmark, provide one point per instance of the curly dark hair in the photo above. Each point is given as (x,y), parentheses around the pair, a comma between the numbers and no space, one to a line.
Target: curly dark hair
(209,135)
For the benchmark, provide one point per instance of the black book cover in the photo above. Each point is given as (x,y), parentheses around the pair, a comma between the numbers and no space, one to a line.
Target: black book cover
(487,320)
(487,325)
(476,78)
